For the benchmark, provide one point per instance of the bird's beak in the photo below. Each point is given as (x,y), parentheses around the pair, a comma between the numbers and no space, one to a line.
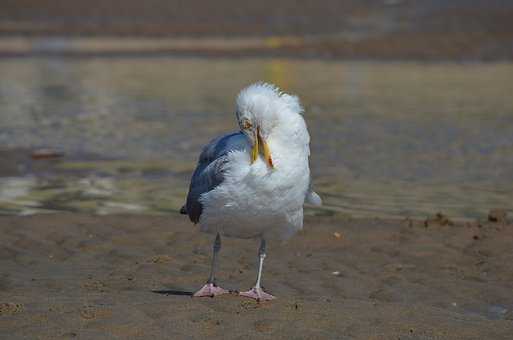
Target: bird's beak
(261,146)
(255,151)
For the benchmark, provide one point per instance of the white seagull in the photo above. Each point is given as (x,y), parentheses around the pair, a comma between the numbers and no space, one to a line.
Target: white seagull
(254,183)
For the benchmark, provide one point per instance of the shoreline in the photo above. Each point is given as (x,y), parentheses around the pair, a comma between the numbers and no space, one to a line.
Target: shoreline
(389,29)
(323,47)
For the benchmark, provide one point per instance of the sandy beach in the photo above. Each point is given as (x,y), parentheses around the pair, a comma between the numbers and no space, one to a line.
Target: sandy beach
(130,277)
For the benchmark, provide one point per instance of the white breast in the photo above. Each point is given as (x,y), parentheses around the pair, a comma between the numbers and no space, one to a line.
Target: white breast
(255,200)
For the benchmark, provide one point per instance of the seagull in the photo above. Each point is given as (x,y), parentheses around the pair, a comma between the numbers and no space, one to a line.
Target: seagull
(253,183)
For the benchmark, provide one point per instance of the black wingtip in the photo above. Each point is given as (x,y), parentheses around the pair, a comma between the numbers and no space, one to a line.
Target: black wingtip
(183,210)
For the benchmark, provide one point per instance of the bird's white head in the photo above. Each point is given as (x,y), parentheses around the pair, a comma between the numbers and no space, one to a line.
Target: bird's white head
(263,110)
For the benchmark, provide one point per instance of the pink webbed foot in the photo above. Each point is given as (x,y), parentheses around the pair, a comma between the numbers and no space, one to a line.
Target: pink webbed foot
(210,290)
(258,294)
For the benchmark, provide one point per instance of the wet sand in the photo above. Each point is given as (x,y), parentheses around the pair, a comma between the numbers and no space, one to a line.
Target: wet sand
(81,276)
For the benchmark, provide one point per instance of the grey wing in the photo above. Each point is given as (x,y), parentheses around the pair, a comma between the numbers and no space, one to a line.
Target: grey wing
(209,172)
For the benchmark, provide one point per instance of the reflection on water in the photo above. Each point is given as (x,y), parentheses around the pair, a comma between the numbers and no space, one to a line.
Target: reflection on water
(388,139)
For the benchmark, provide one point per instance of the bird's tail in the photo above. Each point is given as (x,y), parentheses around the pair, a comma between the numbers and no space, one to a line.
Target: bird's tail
(313,198)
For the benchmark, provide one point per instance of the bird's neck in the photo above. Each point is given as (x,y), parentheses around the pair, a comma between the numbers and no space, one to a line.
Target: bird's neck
(292,132)
(290,140)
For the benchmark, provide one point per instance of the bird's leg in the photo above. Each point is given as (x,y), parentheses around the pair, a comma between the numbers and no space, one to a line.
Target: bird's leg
(210,288)
(257,292)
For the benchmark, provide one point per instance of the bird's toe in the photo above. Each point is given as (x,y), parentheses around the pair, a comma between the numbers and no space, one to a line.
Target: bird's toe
(210,290)
(257,294)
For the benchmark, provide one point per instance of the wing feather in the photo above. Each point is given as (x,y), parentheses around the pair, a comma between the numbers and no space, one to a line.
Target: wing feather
(209,172)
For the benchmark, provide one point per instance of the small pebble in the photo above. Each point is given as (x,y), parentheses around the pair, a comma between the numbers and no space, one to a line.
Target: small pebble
(498,216)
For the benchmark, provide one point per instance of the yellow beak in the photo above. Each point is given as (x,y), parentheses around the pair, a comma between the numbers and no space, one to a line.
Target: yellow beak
(261,146)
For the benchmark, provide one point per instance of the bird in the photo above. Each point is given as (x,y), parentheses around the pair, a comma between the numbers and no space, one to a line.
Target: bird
(253,183)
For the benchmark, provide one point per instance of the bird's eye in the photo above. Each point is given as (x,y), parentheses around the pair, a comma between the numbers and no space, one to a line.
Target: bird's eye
(246,124)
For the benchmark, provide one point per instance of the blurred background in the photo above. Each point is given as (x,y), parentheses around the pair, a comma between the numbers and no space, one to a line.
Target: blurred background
(104,105)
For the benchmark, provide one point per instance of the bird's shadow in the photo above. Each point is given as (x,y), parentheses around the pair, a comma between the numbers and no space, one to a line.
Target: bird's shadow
(177,292)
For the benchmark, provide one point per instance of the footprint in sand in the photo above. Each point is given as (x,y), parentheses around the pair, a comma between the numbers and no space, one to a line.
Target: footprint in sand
(94,285)
(91,312)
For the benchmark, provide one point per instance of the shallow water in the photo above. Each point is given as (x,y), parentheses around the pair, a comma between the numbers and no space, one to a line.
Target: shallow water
(388,139)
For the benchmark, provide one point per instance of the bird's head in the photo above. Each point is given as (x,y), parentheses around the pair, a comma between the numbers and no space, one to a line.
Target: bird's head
(262,109)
